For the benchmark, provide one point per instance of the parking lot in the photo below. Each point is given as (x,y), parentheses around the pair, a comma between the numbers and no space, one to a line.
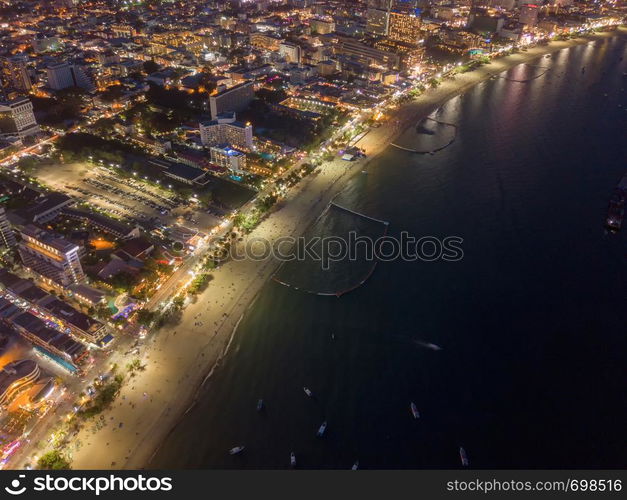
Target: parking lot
(129,199)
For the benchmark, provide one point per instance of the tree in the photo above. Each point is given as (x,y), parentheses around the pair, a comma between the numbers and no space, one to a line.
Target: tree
(145,317)
(151,66)
(53,460)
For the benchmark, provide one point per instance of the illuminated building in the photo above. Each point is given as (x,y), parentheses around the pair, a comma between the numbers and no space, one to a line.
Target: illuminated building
(528,15)
(17,119)
(13,74)
(291,52)
(227,157)
(404,27)
(265,41)
(54,258)
(322,26)
(7,236)
(227,130)
(64,75)
(365,54)
(235,98)
(15,377)
(378,16)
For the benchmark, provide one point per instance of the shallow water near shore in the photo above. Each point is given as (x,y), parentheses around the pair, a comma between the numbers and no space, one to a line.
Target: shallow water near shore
(531,322)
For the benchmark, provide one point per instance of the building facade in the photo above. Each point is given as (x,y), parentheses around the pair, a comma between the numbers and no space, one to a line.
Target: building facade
(235,98)
(17,119)
(227,130)
(378,17)
(50,256)
(14,75)
(7,236)
(404,27)
(228,157)
(64,75)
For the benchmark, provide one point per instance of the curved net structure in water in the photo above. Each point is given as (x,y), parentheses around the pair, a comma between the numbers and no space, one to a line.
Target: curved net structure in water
(429,135)
(327,266)
(524,73)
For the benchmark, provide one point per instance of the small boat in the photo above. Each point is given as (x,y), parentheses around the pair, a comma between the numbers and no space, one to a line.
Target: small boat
(414,410)
(355,465)
(260,405)
(236,450)
(307,391)
(463,457)
(332,336)
(292,459)
(321,429)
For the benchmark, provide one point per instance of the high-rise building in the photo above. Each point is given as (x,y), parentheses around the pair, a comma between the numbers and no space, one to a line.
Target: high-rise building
(17,119)
(228,157)
(528,15)
(15,377)
(225,129)
(13,74)
(322,26)
(50,256)
(7,236)
(291,52)
(64,75)
(378,16)
(365,54)
(236,98)
(404,27)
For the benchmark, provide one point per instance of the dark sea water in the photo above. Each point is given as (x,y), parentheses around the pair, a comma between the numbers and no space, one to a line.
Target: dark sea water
(532,321)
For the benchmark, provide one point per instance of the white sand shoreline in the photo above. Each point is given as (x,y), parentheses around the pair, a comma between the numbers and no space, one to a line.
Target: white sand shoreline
(179,362)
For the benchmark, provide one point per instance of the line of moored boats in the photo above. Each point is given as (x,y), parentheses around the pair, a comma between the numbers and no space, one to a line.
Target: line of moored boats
(323,427)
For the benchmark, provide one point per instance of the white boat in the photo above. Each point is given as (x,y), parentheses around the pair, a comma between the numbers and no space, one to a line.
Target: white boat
(463,457)
(236,450)
(260,405)
(355,465)
(414,410)
(321,429)
(292,459)
(307,391)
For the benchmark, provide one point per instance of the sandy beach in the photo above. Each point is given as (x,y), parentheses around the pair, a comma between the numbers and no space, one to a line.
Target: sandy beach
(179,360)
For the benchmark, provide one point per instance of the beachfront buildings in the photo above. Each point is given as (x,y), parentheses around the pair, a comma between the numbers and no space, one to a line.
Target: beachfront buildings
(55,259)
(236,98)
(404,27)
(26,297)
(15,377)
(228,157)
(225,129)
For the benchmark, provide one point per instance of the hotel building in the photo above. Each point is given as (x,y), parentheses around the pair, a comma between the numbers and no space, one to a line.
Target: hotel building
(52,257)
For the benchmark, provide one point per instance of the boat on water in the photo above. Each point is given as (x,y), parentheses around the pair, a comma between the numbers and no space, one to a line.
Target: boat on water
(616,206)
(355,465)
(235,450)
(292,459)
(463,457)
(307,391)
(414,410)
(260,405)
(321,429)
